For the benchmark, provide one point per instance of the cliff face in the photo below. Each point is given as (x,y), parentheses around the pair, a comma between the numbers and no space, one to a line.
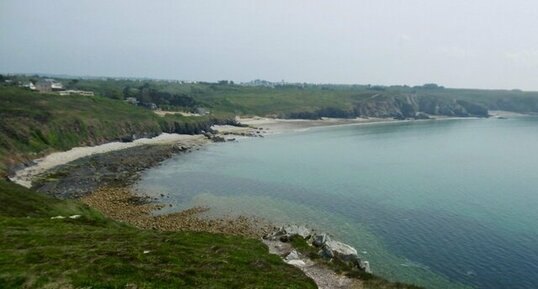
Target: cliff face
(411,106)
(401,106)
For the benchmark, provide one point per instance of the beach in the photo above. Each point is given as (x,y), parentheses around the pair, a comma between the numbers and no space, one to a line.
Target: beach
(251,127)
(24,177)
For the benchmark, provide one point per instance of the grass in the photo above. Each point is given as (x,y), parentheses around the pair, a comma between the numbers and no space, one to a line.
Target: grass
(289,99)
(92,251)
(34,124)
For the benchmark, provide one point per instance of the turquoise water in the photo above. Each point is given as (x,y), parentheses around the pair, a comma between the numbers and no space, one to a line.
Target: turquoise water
(445,204)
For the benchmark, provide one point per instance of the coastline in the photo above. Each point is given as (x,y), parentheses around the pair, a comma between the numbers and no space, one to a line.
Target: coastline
(255,126)
(25,176)
(278,125)
(120,202)
(250,127)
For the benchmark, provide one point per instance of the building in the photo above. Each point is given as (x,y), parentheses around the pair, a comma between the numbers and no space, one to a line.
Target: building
(28,85)
(79,92)
(48,85)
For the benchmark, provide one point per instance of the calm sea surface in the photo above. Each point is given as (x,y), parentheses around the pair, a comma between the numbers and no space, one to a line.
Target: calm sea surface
(444,204)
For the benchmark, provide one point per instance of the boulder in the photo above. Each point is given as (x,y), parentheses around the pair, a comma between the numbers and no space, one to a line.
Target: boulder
(296,263)
(284,234)
(326,253)
(341,251)
(319,240)
(365,265)
(294,230)
(293,255)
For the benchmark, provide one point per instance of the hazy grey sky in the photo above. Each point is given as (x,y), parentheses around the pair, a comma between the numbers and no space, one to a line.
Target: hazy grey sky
(480,43)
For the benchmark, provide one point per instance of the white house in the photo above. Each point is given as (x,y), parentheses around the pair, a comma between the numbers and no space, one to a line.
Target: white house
(48,85)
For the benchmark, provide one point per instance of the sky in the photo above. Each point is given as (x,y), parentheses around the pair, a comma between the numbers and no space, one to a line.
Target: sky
(473,43)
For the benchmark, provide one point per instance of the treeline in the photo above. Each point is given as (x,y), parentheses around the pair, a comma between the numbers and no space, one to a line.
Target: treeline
(190,126)
(148,94)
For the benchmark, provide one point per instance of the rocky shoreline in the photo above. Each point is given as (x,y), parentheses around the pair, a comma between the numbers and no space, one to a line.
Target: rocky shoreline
(104,181)
(112,169)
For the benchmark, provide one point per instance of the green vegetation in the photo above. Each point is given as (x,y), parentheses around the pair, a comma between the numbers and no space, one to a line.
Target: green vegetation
(313,101)
(34,123)
(39,252)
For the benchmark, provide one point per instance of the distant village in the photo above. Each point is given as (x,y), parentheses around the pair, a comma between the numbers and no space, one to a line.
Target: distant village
(49,85)
(53,86)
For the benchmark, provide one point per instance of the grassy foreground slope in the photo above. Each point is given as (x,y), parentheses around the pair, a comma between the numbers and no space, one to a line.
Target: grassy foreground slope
(92,251)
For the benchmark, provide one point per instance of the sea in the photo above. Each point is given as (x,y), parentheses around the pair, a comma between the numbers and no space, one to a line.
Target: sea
(438,203)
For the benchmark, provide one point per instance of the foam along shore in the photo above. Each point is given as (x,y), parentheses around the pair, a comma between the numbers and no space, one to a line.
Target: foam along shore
(24,177)
(279,125)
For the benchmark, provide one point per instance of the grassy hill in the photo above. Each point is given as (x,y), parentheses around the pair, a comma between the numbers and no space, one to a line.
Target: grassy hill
(92,251)
(34,124)
(310,100)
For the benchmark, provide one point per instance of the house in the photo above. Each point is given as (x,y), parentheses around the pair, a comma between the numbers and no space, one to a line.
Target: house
(79,92)
(48,85)
(28,85)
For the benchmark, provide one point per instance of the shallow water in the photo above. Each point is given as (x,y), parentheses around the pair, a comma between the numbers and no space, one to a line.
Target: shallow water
(437,203)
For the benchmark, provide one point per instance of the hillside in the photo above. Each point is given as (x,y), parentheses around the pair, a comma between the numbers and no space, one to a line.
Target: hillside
(314,101)
(34,124)
(92,251)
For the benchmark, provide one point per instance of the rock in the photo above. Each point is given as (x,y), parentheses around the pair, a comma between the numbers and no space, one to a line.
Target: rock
(57,217)
(319,240)
(294,230)
(297,263)
(421,115)
(293,255)
(365,265)
(341,251)
(218,139)
(146,251)
(75,216)
(128,138)
(275,234)
(326,253)
(284,234)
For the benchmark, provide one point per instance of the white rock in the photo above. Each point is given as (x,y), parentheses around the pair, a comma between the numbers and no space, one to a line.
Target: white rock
(297,230)
(341,251)
(75,216)
(296,263)
(293,255)
(57,217)
(146,251)
(366,266)
(340,248)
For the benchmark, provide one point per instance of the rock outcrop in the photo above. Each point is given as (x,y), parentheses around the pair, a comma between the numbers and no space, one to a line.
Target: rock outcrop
(328,248)
(405,106)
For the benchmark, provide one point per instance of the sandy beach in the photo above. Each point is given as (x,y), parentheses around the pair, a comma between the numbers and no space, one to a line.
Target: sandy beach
(276,125)
(24,177)
(255,126)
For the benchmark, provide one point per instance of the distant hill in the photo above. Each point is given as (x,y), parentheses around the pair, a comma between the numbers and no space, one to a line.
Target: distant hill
(301,100)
